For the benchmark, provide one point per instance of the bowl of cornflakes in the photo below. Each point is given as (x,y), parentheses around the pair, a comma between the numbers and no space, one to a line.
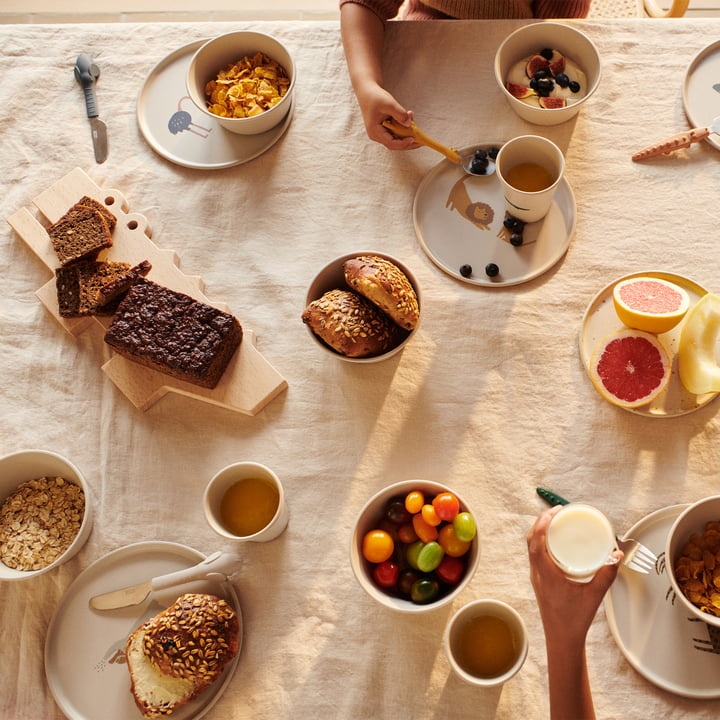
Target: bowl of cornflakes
(45,513)
(692,559)
(243,80)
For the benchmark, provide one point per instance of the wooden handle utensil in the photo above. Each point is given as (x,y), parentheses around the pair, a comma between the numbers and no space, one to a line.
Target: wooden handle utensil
(676,142)
(421,138)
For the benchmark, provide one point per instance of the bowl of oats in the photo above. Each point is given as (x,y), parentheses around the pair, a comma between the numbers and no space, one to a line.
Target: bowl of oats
(45,513)
(243,80)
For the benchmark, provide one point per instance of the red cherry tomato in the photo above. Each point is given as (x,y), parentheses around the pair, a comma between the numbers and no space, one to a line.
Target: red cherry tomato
(446,505)
(450,570)
(386,574)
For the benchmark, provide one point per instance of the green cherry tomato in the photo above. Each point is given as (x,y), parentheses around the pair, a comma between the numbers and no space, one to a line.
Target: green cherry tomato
(450,570)
(429,556)
(386,574)
(413,552)
(446,506)
(464,526)
(424,590)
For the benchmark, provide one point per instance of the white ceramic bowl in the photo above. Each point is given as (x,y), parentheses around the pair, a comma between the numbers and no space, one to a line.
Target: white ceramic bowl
(530,39)
(368,519)
(224,50)
(475,609)
(690,522)
(332,277)
(24,465)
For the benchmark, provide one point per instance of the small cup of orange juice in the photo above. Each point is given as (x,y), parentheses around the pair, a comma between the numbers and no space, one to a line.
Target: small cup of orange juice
(486,642)
(245,501)
(529,169)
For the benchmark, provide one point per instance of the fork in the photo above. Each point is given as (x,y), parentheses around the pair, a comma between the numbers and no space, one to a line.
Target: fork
(636,556)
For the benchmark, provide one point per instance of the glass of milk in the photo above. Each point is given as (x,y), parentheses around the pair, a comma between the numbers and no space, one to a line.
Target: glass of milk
(580,541)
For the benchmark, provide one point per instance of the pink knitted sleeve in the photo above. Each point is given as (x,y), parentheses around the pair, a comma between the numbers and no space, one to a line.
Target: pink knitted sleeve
(561,8)
(384,9)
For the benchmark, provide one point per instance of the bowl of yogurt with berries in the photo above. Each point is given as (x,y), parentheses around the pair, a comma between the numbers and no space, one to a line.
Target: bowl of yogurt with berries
(547,71)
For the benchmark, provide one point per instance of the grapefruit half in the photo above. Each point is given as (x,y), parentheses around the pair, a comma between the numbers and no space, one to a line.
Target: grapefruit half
(630,368)
(650,304)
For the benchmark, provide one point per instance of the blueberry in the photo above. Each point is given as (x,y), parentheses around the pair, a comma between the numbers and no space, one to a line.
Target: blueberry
(479,167)
(540,74)
(562,80)
(516,239)
(466,270)
(545,84)
(509,222)
(533,84)
(491,269)
(493,152)
(547,53)
(574,86)
(480,154)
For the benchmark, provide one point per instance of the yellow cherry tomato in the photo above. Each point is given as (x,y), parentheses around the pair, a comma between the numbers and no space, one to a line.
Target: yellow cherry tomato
(430,516)
(426,533)
(414,501)
(450,543)
(377,546)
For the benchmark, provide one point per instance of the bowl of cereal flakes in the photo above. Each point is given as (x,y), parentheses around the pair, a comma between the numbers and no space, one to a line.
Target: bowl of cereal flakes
(692,559)
(45,513)
(243,80)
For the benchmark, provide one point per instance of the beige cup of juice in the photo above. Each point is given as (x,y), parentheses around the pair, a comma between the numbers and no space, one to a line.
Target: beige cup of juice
(246,502)
(529,169)
(486,642)
(580,540)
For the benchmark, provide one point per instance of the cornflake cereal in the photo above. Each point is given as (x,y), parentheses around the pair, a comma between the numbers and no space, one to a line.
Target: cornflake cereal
(249,87)
(39,521)
(697,570)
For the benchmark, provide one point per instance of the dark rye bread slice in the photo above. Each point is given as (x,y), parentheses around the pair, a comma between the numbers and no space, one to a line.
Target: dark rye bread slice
(80,234)
(92,287)
(174,334)
(86,201)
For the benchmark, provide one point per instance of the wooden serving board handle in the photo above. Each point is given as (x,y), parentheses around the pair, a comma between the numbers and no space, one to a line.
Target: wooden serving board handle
(249,382)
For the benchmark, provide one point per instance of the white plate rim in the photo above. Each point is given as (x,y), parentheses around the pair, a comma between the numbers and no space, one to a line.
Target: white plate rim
(171,548)
(604,295)
(271,136)
(565,196)
(694,115)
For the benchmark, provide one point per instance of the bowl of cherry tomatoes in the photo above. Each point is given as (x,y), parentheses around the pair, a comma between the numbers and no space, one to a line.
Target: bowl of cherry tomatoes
(414,546)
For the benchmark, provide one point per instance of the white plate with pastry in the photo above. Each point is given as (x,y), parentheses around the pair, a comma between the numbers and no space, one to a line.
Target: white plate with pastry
(85,661)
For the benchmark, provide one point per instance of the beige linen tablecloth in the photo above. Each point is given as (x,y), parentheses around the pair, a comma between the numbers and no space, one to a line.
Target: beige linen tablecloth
(489,397)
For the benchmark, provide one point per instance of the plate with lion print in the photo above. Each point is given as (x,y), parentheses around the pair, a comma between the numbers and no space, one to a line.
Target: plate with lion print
(460,223)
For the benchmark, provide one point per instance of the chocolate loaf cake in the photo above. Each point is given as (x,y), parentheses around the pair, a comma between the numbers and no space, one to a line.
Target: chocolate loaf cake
(174,334)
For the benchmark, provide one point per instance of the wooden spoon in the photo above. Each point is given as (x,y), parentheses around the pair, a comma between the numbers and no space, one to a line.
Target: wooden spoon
(421,138)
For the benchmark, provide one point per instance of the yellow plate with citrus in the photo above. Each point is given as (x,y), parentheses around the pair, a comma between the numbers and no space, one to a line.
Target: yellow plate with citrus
(602,325)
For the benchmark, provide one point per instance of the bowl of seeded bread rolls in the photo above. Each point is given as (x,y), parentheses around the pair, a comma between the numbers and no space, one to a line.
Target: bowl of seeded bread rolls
(363,307)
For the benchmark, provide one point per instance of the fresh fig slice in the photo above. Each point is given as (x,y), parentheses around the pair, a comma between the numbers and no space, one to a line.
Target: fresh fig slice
(552,103)
(557,64)
(535,63)
(519,91)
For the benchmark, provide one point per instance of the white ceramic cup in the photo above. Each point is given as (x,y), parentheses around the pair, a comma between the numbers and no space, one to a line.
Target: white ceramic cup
(580,540)
(456,634)
(529,206)
(223,481)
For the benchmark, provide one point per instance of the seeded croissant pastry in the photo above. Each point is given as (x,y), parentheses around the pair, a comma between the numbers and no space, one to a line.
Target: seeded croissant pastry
(178,654)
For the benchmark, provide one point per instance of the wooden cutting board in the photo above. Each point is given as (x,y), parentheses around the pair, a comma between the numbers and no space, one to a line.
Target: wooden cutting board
(249,382)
